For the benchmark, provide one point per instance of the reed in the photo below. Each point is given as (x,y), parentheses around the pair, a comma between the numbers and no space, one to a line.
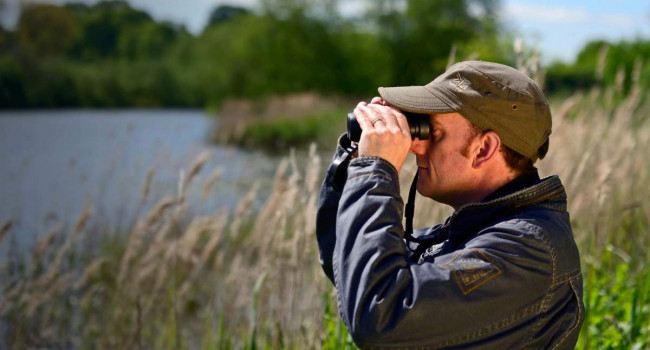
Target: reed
(250,278)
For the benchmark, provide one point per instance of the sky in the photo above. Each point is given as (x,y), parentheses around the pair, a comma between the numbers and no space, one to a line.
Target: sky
(559,28)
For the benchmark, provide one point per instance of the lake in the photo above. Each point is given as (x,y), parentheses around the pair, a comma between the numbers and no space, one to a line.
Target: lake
(53,162)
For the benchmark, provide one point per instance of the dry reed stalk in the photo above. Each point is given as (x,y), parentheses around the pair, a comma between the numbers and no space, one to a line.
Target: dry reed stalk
(90,271)
(45,242)
(312,179)
(159,210)
(619,80)
(82,219)
(536,70)
(209,183)
(567,106)
(602,62)
(144,271)
(152,254)
(313,171)
(156,258)
(12,297)
(195,168)
(270,212)
(135,240)
(518,46)
(164,267)
(146,186)
(191,236)
(575,179)
(4,230)
(218,234)
(52,270)
(243,209)
(452,56)
(635,95)
(215,229)
(37,299)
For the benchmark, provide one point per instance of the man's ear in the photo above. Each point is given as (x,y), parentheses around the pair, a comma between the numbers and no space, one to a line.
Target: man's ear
(487,148)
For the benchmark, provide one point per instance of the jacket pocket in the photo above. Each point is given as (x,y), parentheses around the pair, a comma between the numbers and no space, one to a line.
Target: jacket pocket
(569,337)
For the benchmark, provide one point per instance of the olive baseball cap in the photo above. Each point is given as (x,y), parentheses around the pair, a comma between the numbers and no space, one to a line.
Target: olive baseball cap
(492,96)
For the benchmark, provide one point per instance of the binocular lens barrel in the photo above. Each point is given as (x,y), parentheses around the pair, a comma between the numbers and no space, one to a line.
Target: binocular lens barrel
(419,126)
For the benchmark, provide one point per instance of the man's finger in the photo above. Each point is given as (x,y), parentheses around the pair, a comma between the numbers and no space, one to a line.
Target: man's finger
(377,116)
(383,113)
(403,122)
(360,113)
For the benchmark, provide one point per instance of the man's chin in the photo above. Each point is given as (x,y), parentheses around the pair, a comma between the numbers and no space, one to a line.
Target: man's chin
(423,186)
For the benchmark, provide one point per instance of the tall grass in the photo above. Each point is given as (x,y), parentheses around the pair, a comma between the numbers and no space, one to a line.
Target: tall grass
(249,278)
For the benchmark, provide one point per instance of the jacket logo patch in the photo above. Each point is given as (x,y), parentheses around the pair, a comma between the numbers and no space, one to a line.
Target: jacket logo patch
(471,270)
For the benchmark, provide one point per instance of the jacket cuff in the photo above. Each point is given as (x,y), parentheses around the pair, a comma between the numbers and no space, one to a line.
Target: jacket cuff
(366,167)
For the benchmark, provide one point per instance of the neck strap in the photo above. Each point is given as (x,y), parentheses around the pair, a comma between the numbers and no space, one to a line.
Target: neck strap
(409,211)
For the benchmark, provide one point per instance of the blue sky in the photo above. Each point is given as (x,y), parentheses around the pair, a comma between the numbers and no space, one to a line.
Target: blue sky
(558,28)
(561,28)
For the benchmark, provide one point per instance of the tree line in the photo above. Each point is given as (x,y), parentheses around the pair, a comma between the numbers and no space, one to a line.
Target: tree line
(112,55)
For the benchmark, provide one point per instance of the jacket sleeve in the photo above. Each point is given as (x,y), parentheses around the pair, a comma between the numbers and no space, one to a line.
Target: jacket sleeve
(388,300)
(328,205)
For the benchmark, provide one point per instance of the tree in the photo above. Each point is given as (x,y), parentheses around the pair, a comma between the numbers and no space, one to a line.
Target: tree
(47,29)
(225,13)
(421,36)
(103,24)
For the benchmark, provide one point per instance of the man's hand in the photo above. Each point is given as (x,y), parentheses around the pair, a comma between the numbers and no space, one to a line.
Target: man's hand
(385,132)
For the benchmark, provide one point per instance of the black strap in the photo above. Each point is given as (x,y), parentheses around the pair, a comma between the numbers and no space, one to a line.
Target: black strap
(409,212)
(338,171)
(422,242)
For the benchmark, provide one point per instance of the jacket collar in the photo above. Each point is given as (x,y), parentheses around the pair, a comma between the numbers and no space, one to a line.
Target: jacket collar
(470,218)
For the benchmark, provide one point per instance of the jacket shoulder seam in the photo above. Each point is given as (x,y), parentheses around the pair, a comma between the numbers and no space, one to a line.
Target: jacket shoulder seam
(537,232)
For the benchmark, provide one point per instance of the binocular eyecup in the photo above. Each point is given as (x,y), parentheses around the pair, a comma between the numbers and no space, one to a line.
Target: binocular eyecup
(419,126)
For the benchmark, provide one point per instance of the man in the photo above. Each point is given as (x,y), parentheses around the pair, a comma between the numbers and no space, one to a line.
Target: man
(502,272)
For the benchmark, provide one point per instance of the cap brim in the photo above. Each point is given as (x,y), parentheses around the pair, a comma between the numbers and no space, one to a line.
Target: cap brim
(416,99)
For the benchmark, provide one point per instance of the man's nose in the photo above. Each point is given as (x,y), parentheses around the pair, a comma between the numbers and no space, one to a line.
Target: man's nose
(418,147)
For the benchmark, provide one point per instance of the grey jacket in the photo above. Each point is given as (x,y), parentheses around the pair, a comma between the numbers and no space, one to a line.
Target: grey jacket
(502,274)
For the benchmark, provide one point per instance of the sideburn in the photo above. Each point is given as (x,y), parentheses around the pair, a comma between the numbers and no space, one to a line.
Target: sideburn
(474,132)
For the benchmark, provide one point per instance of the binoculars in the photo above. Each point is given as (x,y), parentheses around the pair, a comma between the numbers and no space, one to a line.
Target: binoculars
(419,125)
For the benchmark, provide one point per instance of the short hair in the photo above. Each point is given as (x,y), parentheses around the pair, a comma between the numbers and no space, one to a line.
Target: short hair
(514,160)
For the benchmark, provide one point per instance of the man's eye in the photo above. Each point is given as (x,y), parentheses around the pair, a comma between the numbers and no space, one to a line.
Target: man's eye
(435,134)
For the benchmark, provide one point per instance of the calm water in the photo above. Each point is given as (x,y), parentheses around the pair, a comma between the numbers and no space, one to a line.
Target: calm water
(55,161)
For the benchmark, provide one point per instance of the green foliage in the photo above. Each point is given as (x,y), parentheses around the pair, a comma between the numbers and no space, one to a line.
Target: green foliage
(337,336)
(225,13)
(607,64)
(419,40)
(47,30)
(279,134)
(103,26)
(110,54)
(12,89)
(564,77)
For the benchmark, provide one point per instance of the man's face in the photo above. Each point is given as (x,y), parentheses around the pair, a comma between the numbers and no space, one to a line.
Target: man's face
(444,163)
